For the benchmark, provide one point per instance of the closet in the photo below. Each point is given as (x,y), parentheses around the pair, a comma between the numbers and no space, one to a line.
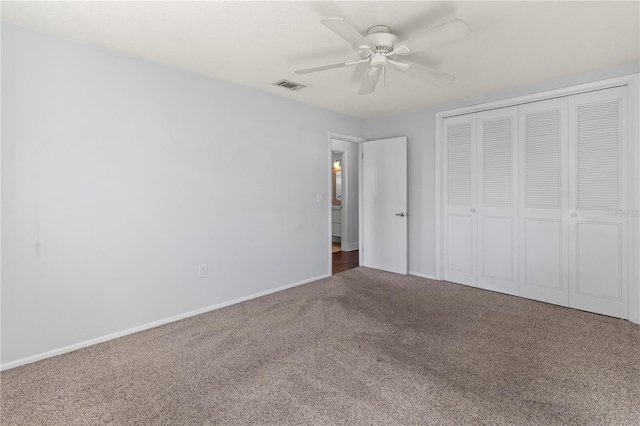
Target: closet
(534,200)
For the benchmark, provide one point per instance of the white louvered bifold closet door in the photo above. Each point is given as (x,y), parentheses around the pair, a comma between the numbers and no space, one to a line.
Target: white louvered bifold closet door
(543,198)
(498,200)
(536,201)
(460,219)
(598,207)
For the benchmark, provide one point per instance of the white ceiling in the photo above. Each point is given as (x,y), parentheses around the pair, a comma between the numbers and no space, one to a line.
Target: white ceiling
(255,44)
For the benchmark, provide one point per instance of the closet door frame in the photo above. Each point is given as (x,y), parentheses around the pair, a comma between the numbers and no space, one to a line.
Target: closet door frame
(633,134)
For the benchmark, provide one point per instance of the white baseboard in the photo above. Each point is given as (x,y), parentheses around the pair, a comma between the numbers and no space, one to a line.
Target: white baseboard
(80,345)
(417,274)
(350,246)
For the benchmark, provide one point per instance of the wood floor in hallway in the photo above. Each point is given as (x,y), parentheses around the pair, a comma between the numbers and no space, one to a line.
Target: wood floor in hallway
(345,260)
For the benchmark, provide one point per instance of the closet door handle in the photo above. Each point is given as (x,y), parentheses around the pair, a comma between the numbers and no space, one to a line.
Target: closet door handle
(472,210)
(400,214)
(574,214)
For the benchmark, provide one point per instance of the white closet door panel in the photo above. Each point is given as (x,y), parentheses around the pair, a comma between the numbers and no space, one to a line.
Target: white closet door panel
(460,255)
(460,227)
(543,198)
(542,254)
(497,193)
(496,247)
(599,260)
(598,228)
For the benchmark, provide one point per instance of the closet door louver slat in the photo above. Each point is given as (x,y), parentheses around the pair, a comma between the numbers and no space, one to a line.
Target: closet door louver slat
(598,155)
(459,165)
(497,159)
(542,159)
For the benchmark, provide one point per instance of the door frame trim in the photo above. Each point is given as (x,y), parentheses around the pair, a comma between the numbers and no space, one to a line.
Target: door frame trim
(631,81)
(346,138)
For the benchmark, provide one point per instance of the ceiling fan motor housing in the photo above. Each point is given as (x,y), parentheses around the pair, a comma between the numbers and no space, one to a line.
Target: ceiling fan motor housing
(382,40)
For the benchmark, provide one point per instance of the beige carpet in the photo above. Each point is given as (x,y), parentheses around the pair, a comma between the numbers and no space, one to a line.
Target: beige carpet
(362,347)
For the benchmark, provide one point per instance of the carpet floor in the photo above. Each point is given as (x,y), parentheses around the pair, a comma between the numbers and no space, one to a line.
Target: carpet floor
(361,347)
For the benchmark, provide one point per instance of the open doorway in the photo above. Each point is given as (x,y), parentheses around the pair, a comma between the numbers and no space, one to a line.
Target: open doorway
(344,205)
(337,163)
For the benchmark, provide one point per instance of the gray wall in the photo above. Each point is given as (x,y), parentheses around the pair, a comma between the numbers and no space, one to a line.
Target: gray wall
(120,176)
(419,127)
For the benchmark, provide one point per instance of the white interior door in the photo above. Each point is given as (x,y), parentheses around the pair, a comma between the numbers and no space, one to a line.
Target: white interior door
(460,217)
(498,200)
(384,205)
(544,255)
(598,224)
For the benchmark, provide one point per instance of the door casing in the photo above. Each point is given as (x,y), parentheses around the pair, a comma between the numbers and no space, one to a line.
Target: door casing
(345,138)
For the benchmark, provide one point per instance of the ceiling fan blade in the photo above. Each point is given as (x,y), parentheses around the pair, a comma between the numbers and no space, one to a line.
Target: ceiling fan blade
(427,74)
(347,32)
(330,66)
(449,31)
(400,66)
(369,82)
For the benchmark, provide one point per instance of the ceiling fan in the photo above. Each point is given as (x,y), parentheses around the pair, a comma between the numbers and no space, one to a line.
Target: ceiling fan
(381,47)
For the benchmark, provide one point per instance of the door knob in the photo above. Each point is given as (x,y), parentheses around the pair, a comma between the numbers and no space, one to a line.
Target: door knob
(574,214)
(400,214)
(472,210)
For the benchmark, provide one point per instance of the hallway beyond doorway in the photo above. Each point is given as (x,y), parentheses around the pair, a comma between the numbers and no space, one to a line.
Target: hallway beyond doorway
(345,260)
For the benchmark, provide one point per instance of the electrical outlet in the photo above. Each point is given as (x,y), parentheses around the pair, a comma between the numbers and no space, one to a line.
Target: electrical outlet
(202,270)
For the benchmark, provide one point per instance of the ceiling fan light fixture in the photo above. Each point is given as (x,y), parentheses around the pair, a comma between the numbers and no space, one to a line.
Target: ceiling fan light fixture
(379,61)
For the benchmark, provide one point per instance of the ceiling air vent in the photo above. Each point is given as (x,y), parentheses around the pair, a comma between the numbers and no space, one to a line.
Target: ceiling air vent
(289,85)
